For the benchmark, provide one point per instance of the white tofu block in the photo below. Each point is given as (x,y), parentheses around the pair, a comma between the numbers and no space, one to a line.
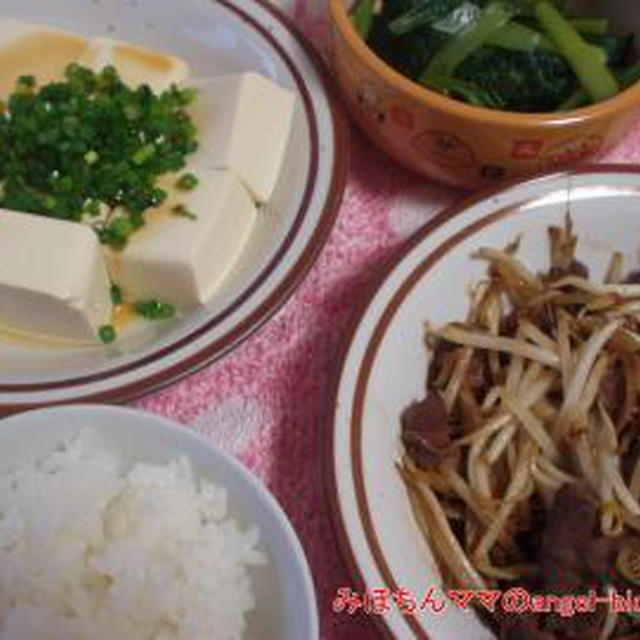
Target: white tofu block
(136,65)
(181,260)
(244,122)
(53,280)
(37,50)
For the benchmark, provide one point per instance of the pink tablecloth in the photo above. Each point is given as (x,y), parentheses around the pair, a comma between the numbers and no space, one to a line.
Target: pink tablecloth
(265,402)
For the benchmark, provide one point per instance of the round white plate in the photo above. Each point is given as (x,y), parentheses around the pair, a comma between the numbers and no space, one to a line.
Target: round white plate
(285,600)
(385,365)
(215,37)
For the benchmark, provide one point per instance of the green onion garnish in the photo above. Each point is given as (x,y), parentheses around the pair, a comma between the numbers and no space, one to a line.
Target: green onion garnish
(116,294)
(154,310)
(187,182)
(107,333)
(184,212)
(89,144)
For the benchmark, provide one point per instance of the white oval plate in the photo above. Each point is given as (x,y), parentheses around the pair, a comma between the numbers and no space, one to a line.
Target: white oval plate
(385,365)
(215,37)
(285,599)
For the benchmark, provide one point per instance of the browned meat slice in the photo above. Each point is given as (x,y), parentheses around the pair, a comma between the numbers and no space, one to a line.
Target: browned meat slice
(630,456)
(568,539)
(442,360)
(478,377)
(524,627)
(573,559)
(510,324)
(425,431)
(542,316)
(576,268)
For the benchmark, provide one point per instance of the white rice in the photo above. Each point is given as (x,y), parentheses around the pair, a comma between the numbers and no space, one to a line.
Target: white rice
(91,552)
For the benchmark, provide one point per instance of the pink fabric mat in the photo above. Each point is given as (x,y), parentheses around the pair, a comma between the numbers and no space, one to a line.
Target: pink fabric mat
(265,403)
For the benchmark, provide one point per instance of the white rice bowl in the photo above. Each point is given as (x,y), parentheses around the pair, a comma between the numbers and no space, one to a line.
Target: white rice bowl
(147,552)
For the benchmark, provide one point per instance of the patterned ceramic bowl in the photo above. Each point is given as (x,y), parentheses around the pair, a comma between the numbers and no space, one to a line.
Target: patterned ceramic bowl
(467,146)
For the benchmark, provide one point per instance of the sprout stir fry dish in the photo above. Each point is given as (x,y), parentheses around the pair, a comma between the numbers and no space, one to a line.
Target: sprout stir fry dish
(514,55)
(523,460)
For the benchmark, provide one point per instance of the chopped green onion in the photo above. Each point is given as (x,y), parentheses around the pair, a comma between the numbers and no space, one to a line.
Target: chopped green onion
(27,81)
(107,333)
(116,294)
(91,157)
(182,211)
(91,207)
(143,154)
(187,96)
(158,196)
(88,143)
(131,111)
(117,233)
(187,182)
(154,310)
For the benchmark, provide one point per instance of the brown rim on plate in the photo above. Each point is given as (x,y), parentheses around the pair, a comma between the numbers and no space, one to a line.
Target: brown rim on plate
(281,293)
(366,363)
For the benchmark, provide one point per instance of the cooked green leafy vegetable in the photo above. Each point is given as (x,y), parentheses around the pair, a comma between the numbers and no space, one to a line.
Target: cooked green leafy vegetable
(92,147)
(464,90)
(580,98)
(515,55)
(362,17)
(531,82)
(593,26)
(591,70)
(422,14)
(449,57)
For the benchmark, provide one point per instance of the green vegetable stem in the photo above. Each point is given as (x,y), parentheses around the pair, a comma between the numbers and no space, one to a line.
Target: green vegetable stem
(593,26)
(520,37)
(592,72)
(422,14)
(448,58)
(466,90)
(362,17)
(580,98)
